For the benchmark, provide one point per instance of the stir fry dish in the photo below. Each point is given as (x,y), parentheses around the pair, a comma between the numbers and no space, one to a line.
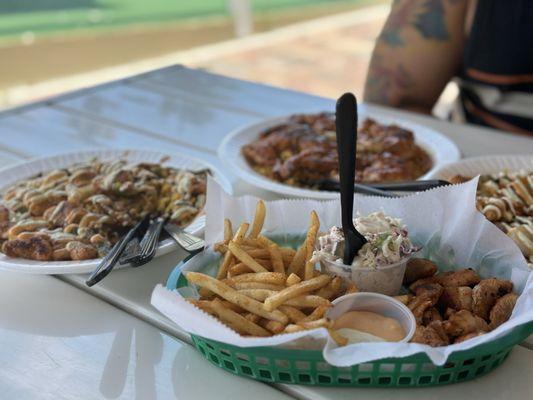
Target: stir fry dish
(303,152)
(80,212)
(506,199)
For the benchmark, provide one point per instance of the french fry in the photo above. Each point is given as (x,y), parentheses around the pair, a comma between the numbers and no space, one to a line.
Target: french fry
(291,328)
(276,258)
(293,279)
(317,313)
(203,305)
(288,255)
(337,337)
(235,297)
(237,321)
(238,269)
(294,314)
(264,242)
(228,231)
(310,245)
(305,301)
(332,289)
(245,257)
(254,318)
(319,323)
(274,278)
(272,326)
(258,253)
(298,261)
(228,257)
(274,301)
(256,285)
(259,219)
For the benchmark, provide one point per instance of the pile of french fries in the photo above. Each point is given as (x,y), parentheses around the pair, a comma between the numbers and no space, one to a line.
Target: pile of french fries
(262,289)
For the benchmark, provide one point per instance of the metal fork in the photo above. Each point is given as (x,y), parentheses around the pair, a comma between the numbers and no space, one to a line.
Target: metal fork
(188,242)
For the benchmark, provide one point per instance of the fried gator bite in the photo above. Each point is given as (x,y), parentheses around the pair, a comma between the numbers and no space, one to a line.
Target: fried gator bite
(464,322)
(433,335)
(456,297)
(418,268)
(502,310)
(485,294)
(463,277)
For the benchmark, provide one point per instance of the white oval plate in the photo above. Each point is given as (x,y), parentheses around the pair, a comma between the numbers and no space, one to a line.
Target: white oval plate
(484,165)
(441,149)
(17,172)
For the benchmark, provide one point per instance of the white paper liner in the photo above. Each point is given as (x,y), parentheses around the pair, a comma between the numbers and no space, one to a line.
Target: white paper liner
(443,220)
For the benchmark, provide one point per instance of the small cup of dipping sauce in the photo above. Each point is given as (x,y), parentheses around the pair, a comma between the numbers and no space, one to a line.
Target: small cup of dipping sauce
(372,317)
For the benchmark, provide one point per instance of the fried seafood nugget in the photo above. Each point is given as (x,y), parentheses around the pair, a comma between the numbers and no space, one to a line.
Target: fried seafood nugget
(404,298)
(431,315)
(430,291)
(502,310)
(418,306)
(456,297)
(485,294)
(418,268)
(464,322)
(463,277)
(34,248)
(423,281)
(468,336)
(433,335)
(81,251)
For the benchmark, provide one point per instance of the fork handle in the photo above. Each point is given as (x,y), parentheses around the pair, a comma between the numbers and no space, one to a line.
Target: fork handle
(110,260)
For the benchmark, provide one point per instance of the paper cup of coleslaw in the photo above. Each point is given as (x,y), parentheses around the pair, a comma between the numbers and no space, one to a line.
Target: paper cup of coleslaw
(385,280)
(380,264)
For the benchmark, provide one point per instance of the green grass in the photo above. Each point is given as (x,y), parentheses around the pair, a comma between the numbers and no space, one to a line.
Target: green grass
(46,17)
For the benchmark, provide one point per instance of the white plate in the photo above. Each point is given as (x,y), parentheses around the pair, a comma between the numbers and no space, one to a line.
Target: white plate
(17,172)
(441,149)
(484,165)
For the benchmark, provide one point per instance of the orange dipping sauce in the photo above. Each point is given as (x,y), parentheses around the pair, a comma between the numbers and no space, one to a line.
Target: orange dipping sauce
(386,328)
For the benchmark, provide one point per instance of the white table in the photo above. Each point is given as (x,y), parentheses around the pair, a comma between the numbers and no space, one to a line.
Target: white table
(173,110)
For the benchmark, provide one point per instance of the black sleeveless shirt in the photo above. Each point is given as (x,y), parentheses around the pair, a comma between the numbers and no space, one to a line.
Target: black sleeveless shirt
(496,80)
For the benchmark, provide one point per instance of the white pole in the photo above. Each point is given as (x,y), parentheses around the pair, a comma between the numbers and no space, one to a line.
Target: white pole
(241,12)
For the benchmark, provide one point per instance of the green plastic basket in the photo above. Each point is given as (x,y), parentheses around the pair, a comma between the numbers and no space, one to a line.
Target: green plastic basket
(304,367)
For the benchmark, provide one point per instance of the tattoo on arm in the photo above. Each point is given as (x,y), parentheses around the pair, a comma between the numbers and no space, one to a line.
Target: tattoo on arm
(426,18)
(385,80)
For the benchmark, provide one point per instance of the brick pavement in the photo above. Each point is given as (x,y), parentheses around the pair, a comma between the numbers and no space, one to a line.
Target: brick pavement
(326,63)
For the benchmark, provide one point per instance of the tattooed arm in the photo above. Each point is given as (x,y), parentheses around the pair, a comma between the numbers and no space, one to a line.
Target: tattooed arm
(418,51)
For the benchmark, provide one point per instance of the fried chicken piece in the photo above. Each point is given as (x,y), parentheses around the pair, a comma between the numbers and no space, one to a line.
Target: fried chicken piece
(485,294)
(464,322)
(431,315)
(502,310)
(470,335)
(81,251)
(418,306)
(463,277)
(404,298)
(34,248)
(423,281)
(456,297)
(433,335)
(418,268)
(431,291)
(312,164)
